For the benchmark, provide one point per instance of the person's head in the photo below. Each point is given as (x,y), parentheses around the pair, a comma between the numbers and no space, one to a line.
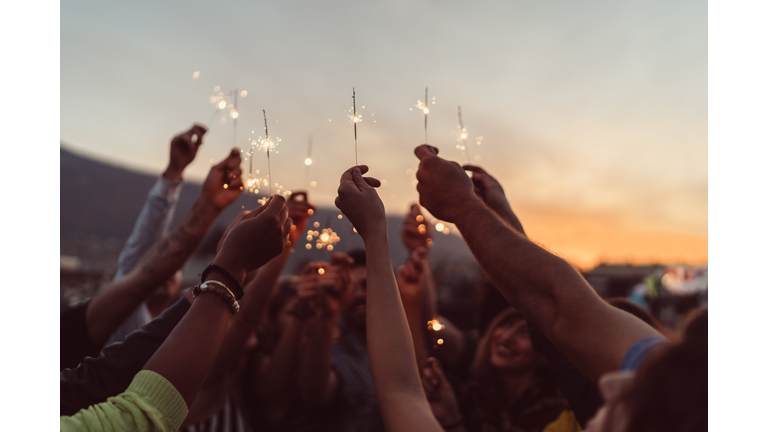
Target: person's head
(668,393)
(164,295)
(281,303)
(505,348)
(354,308)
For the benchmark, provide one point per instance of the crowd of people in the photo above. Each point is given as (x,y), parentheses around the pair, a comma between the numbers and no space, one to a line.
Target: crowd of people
(356,344)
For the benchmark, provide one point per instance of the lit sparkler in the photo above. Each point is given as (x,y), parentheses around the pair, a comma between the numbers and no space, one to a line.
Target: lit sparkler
(308,162)
(324,239)
(424,107)
(355,120)
(268,145)
(463,135)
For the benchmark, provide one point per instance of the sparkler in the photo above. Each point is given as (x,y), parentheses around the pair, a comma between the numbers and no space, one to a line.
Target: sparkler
(324,239)
(355,120)
(463,135)
(267,145)
(424,106)
(308,162)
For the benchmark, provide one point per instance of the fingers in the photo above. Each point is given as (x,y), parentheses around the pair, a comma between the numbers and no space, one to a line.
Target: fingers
(360,182)
(275,206)
(473,168)
(255,212)
(230,162)
(287,227)
(425,151)
(347,176)
(372,181)
(198,130)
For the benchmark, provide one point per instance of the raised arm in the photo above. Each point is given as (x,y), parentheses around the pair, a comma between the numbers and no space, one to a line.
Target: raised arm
(393,361)
(318,382)
(546,289)
(160,394)
(156,215)
(111,306)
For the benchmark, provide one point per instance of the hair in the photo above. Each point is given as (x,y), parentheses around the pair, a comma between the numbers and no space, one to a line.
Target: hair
(481,367)
(670,390)
(358,256)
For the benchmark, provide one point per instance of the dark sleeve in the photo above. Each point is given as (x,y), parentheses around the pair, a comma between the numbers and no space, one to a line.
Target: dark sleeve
(581,392)
(96,379)
(73,336)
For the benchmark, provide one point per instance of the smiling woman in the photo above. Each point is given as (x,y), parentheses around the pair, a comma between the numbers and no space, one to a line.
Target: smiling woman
(512,387)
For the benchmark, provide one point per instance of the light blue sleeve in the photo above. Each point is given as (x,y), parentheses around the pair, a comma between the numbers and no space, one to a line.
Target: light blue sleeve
(634,358)
(153,222)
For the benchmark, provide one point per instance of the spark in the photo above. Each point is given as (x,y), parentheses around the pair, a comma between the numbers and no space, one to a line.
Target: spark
(463,135)
(424,107)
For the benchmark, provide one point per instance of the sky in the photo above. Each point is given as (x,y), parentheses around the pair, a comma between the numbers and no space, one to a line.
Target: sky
(593,114)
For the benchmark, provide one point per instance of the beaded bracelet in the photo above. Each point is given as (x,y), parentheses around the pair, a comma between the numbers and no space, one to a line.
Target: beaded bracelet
(208,283)
(205,288)
(213,267)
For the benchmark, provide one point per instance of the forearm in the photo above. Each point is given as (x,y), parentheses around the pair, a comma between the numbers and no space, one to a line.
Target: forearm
(96,379)
(550,293)
(252,308)
(185,358)
(152,223)
(316,379)
(390,348)
(113,305)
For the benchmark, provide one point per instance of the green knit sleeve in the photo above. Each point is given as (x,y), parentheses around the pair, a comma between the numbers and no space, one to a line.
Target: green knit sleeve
(150,403)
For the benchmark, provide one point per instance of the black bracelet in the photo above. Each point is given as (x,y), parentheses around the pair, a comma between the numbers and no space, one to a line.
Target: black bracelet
(451,426)
(235,284)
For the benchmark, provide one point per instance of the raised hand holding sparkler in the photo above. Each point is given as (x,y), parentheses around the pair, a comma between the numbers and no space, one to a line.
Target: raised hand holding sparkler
(463,136)
(355,120)
(183,151)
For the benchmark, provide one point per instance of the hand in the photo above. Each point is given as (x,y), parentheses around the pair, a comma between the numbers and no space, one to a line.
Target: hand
(415,231)
(439,393)
(491,192)
(444,188)
(359,201)
(325,287)
(183,151)
(298,210)
(224,182)
(255,238)
(412,277)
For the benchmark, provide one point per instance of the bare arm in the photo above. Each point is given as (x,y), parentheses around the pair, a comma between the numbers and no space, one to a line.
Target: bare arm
(318,381)
(393,360)
(544,287)
(113,305)
(185,358)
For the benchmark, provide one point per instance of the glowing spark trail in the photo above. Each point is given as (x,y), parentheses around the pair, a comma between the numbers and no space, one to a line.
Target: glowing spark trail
(355,119)
(426,111)
(463,135)
(268,145)
(308,162)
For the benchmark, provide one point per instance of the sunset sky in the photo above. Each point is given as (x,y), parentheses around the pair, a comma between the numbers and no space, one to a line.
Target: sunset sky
(593,114)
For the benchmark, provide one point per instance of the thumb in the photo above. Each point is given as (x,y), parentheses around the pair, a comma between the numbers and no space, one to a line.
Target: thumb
(357,176)
(425,151)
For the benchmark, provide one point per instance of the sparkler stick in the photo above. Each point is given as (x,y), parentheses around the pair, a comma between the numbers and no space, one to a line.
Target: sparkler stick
(235,114)
(463,134)
(354,121)
(308,162)
(266,141)
(426,111)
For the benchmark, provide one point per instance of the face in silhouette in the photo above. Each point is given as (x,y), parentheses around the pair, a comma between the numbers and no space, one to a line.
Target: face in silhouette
(354,307)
